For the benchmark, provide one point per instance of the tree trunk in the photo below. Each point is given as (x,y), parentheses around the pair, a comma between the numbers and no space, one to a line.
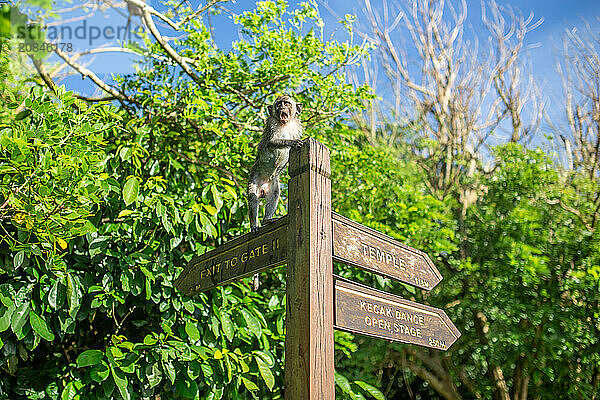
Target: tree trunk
(494,371)
(595,382)
(429,367)
(521,380)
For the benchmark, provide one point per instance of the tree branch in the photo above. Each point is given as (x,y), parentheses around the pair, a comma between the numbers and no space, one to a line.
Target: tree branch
(198,12)
(94,78)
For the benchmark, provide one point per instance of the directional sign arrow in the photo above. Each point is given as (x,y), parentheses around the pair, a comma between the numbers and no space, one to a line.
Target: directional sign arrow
(358,245)
(361,309)
(238,258)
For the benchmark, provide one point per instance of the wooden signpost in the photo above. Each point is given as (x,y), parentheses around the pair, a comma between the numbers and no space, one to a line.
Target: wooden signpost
(308,239)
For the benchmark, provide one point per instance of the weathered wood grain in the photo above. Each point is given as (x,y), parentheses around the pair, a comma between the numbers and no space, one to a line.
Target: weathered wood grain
(238,258)
(364,310)
(309,369)
(358,245)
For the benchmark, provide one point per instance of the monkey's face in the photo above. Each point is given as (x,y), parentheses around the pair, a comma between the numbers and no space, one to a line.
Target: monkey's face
(284,109)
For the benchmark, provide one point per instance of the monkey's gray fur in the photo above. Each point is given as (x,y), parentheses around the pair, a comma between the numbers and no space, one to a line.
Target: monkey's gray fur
(282,131)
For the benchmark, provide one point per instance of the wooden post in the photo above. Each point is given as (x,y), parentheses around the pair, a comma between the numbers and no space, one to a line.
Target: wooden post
(309,370)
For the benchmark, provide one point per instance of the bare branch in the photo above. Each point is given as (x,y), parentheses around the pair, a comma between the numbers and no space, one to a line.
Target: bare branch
(139,7)
(147,18)
(454,93)
(580,72)
(98,50)
(93,77)
(199,11)
(43,74)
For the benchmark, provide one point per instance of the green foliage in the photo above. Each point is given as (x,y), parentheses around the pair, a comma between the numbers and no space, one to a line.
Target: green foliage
(59,179)
(51,173)
(529,270)
(12,78)
(101,209)
(213,111)
(535,260)
(17,31)
(357,390)
(102,206)
(376,186)
(107,289)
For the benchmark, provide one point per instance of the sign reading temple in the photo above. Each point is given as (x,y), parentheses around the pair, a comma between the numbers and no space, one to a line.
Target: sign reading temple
(358,245)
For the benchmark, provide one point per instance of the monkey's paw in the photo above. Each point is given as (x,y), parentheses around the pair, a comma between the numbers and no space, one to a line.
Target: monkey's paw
(298,143)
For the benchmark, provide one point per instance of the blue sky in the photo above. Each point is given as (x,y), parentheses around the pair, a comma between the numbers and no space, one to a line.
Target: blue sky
(543,42)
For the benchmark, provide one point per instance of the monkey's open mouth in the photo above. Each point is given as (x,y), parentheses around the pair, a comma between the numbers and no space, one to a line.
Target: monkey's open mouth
(283,116)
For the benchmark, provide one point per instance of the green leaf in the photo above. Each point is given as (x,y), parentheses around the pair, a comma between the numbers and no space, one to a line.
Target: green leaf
(273,302)
(89,357)
(125,213)
(19,318)
(188,217)
(73,295)
(170,370)
(192,331)
(5,317)
(186,388)
(108,387)
(69,392)
(18,260)
(245,367)
(130,190)
(357,396)
(410,288)
(207,226)
(99,372)
(150,340)
(249,384)
(215,393)
(216,197)
(121,381)
(53,296)
(372,390)
(153,374)
(40,325)
(5,298)
(343,383)
(129,364)
(265,372)
(227,326)
(207,370)
(251,322)
(229,369)
(211,209)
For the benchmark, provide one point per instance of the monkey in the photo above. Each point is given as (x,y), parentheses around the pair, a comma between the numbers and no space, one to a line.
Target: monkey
(281,132)
(133,11)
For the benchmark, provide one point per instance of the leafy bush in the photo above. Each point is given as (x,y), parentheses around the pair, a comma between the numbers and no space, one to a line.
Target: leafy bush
(101,209)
